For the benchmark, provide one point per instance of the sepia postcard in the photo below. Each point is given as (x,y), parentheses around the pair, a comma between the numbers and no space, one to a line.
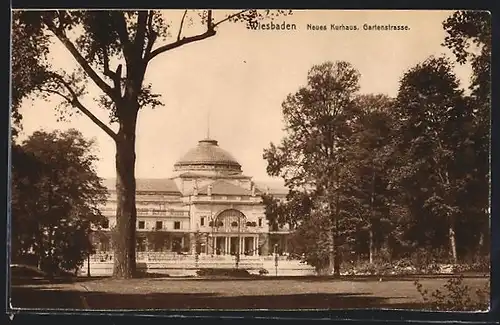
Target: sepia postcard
(250,160)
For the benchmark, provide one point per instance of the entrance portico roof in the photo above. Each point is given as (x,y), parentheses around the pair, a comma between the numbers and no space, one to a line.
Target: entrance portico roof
(222,187)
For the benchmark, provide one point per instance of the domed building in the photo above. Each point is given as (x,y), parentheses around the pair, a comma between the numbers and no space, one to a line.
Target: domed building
(208,207)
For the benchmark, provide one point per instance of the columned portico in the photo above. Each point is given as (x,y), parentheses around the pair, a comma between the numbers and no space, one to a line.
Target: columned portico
(231,244)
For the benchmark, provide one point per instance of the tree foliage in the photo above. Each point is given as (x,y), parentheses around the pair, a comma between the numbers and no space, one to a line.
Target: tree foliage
(437,148)
(391,175)
(55,199)
(312,157)
(469,37)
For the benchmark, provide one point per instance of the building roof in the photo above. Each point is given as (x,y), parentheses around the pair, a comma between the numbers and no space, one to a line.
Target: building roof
(208,152)
(221,187)
(147,185)
(274,188)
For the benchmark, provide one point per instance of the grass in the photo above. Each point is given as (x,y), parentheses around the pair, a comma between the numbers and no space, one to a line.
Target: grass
(259,293)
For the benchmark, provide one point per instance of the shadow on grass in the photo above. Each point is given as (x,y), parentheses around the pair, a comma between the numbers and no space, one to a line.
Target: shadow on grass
(315,278)
(56,280)
(49,298)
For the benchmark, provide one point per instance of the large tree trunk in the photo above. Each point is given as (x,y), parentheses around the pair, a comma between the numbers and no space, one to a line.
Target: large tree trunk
(126,214)
(337,258)
(331,253)
(480,244)
(372,199)
(336,244)
(371,253)
(453,244)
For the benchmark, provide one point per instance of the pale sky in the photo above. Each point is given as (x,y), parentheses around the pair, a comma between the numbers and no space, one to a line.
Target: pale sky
(242,76)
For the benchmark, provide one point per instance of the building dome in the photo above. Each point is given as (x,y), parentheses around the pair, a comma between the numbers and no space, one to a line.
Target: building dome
(207,155)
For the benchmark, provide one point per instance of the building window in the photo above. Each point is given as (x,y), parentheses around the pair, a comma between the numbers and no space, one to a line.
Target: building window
(177,225)
(260,222)
(141,245)
(142,225)
(202,221)
(177,245)
(159,225)
(105,224)
(104,245)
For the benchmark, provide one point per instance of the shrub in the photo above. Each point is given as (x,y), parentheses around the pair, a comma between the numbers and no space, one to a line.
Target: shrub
(263,271)
(379,267)
(455,296)
(480,264)
(223,272)
(428,261)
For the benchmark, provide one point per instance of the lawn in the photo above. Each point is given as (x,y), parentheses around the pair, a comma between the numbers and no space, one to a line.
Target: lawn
(261,293)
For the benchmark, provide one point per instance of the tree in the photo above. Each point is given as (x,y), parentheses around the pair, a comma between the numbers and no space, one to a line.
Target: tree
(28,67)
(468,35)
(97,40)
(373,156)
(311,159)
(436,146)
(311,240)
(56,194)
(291,211)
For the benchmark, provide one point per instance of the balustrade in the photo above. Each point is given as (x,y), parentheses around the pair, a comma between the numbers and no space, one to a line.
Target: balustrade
(150,212)
(170,256)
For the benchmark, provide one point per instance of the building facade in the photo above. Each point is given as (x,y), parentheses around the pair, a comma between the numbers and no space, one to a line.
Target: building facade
(208,207)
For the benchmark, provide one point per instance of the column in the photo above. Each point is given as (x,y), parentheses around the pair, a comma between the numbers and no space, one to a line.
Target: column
(146,243)
(212,248)
(255,245)
(241,246)
(192,243)
(227,241)
(208,245)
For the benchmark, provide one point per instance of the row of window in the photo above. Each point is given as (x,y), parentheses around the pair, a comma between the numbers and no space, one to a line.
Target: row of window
(234,224)
(147,210)
(141,224)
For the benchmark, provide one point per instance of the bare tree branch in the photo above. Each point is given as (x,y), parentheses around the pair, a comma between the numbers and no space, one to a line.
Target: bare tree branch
(180,27)
(209,20)
(152,35)
(121,27)
(142,21)
(185,40)
(230,17)
(182,41)
(94,118)
(73,100)
(115,76)
(52,91)
(150,21)
(79,58)
(107,72)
